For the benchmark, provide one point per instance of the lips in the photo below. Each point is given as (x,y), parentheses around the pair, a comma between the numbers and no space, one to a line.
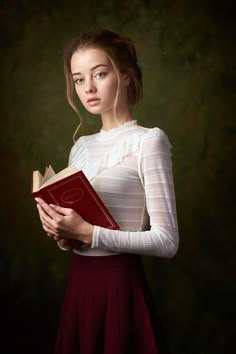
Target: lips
(94,99)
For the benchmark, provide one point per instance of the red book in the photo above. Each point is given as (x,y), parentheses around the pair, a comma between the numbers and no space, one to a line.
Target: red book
(71,189)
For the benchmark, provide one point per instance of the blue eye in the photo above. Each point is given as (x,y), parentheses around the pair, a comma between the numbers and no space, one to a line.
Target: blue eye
(79,81)
(100,75)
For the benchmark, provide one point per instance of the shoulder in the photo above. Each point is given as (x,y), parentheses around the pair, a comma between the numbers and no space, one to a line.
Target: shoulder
(78,152)
(82,142)
(79,143)
(84,139)
(154,136)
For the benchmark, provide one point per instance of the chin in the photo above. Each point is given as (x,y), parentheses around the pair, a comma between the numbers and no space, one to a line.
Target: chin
(93,110)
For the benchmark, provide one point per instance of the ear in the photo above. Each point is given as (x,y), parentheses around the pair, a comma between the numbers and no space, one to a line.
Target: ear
(126,79)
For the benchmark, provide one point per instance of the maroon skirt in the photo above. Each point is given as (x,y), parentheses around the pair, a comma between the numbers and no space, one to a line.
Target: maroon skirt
(108,309)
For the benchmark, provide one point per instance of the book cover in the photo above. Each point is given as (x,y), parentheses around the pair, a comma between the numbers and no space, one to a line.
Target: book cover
(76,192)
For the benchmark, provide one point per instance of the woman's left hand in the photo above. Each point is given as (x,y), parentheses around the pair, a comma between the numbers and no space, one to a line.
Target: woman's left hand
(65,223)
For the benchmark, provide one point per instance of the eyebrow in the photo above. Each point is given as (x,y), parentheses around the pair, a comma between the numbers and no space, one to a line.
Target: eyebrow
(93,68)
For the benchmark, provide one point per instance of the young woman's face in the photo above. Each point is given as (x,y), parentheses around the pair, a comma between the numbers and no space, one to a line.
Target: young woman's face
(96,81)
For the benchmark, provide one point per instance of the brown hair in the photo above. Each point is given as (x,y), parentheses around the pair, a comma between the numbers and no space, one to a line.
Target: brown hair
(121,53)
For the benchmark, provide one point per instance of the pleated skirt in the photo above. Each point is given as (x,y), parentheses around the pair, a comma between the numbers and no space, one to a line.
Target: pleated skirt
(108,309)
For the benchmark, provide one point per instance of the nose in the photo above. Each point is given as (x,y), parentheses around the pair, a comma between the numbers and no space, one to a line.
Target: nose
(89,90)
(90,87)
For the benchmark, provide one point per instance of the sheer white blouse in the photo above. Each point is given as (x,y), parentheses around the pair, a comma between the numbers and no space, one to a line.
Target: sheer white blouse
(130,167)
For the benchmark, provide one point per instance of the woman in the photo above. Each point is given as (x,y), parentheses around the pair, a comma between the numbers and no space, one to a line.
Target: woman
(107,307)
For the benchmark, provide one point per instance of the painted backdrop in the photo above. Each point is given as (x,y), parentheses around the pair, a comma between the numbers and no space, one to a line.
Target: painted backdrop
(187,53)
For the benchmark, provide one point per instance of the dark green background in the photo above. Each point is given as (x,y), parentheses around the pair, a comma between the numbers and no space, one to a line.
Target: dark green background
(187,53)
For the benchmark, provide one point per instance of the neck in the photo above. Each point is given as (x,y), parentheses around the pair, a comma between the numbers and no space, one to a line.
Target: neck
(110,121)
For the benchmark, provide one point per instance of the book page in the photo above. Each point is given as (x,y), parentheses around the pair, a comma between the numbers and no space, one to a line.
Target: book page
(49,173)
(36,180)
(60,175)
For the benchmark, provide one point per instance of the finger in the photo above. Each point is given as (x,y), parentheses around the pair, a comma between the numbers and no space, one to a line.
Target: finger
(42,211)
(60,210)
(48,209)
(50,235)
(48,220)
(49,229)
(42,215)
(56,238)
(56,234)
(46,225)
(50,232)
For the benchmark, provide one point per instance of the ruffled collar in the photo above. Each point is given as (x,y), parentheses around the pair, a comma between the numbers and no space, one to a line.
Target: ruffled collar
(132,136)
(109,134)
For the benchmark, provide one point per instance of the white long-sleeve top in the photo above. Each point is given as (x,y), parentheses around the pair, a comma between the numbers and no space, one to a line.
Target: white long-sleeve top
(130,168)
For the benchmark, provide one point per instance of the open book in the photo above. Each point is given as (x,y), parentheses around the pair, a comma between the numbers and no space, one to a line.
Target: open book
(70,188)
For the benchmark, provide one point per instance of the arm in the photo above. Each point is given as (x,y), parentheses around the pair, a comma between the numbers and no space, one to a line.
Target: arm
(155,169)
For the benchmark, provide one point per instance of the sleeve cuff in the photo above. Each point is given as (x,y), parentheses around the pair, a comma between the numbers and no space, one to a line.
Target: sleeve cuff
(95,237)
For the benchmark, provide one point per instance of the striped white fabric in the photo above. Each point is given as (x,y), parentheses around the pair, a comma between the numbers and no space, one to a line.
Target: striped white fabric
(131,169)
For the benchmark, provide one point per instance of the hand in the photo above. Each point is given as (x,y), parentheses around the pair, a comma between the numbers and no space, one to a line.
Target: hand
(64,223)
